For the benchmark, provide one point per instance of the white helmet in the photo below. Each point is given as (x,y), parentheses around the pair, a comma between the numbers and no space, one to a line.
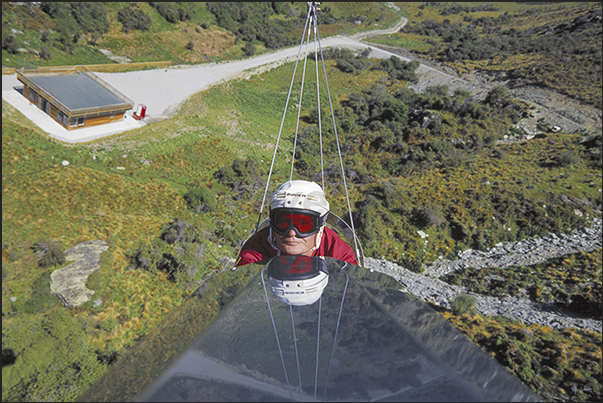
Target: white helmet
(300,194)
(297,280)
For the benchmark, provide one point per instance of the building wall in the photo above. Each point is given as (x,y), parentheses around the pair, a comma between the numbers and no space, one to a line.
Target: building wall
(100,119)
(68,121)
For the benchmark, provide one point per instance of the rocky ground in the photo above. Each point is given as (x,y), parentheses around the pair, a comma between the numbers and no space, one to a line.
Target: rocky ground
(428,287)
(69,283)
(555,108)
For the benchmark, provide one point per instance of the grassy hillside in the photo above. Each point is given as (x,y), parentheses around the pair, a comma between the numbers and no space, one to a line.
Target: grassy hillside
(175,200)
(57,34)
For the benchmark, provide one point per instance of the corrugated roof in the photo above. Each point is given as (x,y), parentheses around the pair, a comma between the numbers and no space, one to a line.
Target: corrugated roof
(77,91)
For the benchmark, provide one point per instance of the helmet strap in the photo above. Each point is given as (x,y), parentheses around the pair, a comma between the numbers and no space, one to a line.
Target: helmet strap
(272,242)
(318,239)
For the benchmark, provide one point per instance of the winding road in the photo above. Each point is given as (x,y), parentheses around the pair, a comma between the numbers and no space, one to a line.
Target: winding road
(164,90)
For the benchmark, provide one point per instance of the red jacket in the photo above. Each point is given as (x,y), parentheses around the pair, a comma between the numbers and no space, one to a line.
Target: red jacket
(257,249)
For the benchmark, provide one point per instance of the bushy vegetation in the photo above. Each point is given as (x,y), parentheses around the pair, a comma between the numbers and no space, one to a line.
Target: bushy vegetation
(75,19)
(174,12)
(178,252)
(53,359)
(562,53)
(251,22)
(463,304)
(559,365)
(192,186)
(48,253)
(134,18)
(60,34)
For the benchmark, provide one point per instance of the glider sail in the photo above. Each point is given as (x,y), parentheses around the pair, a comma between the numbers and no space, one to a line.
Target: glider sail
(318,329)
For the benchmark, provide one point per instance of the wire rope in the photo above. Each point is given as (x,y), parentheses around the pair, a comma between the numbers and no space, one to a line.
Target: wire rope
(347,196)
(281,127)
(299,105)
(301,392)
(322,165)
(280,350)
(311,24)
(317,347)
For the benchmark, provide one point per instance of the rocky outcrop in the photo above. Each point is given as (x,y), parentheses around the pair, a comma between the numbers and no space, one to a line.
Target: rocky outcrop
(527,252)
(115,58)
(69,283)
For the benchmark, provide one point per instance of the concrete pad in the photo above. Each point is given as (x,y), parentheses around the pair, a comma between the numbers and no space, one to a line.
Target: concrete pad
(12,93)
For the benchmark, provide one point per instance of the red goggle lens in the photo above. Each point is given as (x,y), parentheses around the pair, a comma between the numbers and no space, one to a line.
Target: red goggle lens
(302,223)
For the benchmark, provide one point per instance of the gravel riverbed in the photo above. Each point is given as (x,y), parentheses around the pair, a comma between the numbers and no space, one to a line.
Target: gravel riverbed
(428,287)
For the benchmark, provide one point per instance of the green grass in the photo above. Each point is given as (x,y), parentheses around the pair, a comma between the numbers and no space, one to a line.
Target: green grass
(492,188)
(416,44)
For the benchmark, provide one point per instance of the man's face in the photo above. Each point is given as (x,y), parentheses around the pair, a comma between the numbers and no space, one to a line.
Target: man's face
(291,244)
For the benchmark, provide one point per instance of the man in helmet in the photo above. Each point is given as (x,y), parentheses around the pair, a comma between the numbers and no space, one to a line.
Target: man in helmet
(297,213)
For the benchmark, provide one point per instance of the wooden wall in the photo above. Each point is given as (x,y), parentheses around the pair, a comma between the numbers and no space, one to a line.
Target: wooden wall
(100,119)
(89,120)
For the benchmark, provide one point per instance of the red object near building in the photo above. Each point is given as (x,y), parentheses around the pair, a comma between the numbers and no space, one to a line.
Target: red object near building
(140,113)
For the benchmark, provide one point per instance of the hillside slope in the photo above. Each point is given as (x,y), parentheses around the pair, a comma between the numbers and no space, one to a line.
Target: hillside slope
(174,200)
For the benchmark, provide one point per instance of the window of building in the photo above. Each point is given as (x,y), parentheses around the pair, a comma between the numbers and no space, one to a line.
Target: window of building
(61,117)
(32,95)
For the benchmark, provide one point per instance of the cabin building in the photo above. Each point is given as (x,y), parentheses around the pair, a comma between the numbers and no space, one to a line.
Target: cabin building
(75,97)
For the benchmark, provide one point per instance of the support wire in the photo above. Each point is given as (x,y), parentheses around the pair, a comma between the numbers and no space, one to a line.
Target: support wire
(311,25)
(281,128)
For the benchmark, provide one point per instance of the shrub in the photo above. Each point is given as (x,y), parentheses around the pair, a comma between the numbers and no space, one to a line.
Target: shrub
(134,18)
(91,17)
(566,158)
(178,252)
(190,45)
(399,69)
(166,11)
(45,36)
(249,49)
(463,303)
(179,231)
(44,53)
(200,199)
(41,297)
(345,59)
(592,144)
(48,253)
(9,43)
(428,216)
(498,96)
(241,176)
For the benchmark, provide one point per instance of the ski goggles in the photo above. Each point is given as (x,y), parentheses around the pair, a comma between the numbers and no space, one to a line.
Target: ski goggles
(303,222)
